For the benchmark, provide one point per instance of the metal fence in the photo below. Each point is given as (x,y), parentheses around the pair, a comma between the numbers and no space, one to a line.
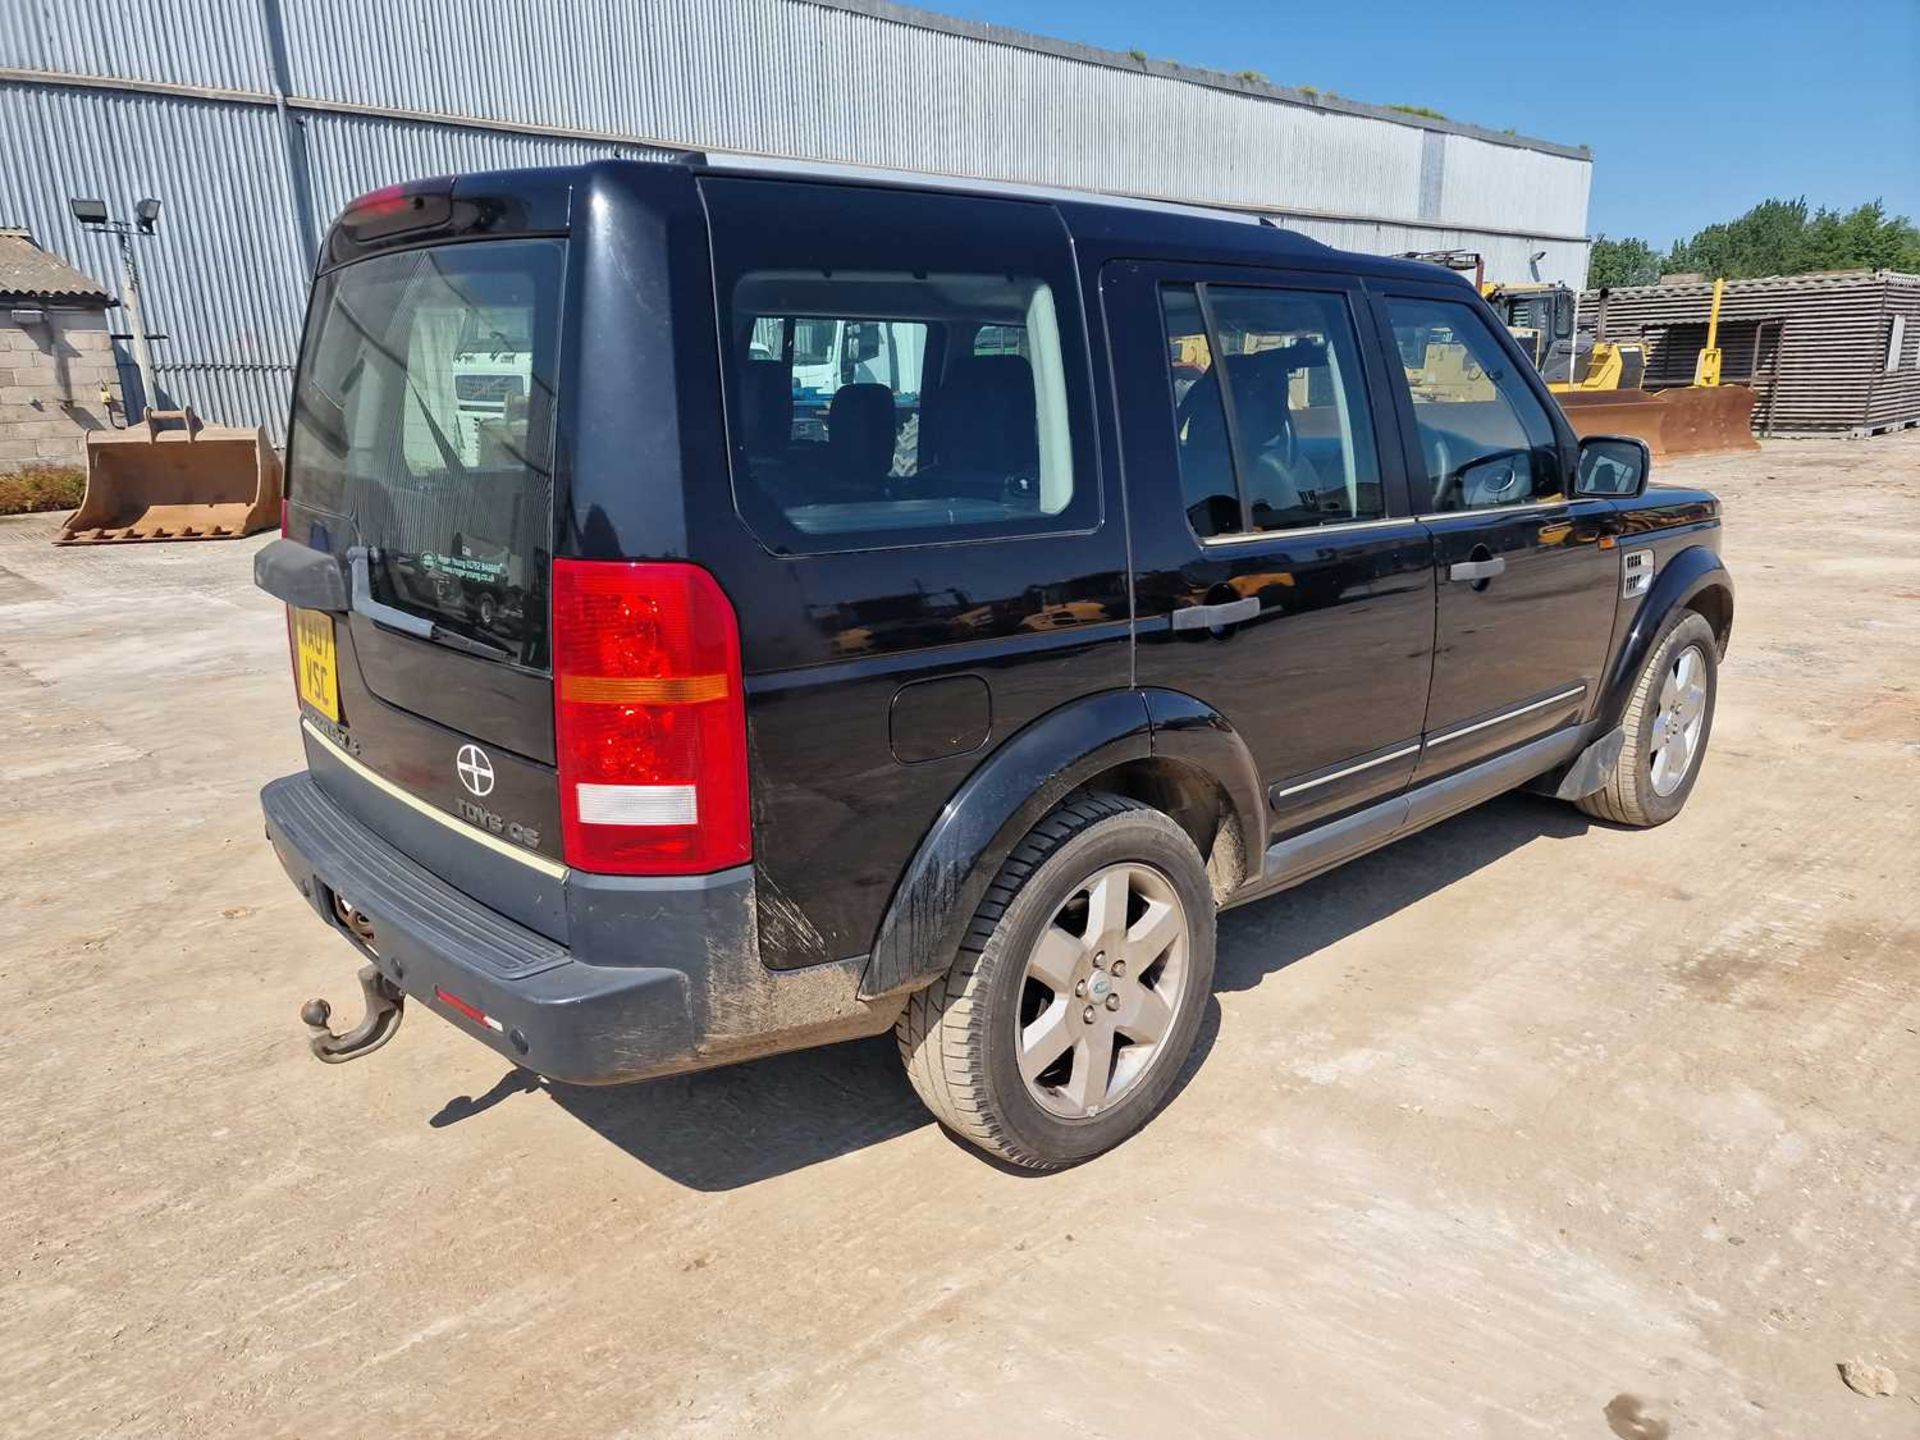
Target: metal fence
(255,121)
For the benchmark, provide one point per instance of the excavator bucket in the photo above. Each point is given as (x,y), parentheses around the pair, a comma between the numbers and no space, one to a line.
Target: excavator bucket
(1692,420)
(193,482)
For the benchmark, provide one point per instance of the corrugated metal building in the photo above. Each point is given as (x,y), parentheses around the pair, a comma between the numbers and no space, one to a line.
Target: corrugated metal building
(1836,352)
(255,121)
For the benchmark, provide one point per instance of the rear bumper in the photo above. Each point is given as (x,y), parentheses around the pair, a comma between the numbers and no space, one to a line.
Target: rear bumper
(676,985)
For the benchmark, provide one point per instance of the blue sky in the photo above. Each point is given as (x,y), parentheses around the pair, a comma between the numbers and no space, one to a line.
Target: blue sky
(1694,111)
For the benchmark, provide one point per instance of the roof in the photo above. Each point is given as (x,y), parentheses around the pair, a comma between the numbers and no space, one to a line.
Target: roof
(1107,222)
(1247,82)
(1702,289)
(29,273)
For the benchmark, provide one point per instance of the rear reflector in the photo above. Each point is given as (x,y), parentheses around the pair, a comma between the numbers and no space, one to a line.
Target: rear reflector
(650,719)
(472,1012)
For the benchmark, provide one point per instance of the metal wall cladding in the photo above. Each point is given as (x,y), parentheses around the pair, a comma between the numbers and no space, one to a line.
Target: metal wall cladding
(787,78)
(352,154)
(1514,259)
(218,44)
(228,272)
(1832,334)
(1524,189)
(223,278)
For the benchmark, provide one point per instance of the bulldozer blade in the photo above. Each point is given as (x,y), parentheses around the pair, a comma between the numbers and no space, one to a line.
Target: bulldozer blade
(1708,420)
(196,482)
(1638,413)
(1690,420)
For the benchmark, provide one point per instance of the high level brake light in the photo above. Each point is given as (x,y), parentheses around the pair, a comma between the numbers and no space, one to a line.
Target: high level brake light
(650,719)
(399,209)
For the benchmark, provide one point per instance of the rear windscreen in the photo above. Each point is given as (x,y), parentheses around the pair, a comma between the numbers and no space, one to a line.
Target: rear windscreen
(422,430)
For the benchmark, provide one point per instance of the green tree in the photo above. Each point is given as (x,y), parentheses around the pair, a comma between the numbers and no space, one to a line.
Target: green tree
(1775,237)
(1770,239)
(1622,262)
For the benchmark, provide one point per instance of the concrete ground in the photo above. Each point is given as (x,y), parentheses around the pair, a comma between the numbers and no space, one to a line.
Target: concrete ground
(1525,1127)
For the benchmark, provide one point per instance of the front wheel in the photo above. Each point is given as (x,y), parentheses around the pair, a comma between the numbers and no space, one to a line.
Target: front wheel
(1077,992)
(1668,720)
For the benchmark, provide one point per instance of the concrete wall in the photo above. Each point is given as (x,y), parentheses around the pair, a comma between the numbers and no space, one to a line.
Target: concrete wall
(50,380)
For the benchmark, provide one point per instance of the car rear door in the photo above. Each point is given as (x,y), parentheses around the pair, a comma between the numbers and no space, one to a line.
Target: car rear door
(420,459)
(921,549)
(1525,600)
(1279,574)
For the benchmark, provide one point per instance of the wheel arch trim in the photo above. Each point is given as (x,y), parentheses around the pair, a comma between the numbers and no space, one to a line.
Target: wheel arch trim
(1190,730)
(1022,779)
(1681,580)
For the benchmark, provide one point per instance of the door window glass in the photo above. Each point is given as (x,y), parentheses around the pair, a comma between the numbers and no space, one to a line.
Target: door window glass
(1207,486)
(1299,407)
(1485,438)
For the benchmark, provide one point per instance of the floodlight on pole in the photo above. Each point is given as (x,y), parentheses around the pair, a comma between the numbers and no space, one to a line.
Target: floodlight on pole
(92,214)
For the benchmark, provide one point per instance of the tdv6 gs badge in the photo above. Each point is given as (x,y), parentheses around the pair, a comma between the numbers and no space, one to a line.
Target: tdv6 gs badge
(475,769)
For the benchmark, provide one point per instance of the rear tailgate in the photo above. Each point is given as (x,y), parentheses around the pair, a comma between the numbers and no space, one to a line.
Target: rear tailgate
(420,458)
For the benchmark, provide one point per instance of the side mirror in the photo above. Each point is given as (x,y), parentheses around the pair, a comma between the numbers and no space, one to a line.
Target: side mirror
(1613,467)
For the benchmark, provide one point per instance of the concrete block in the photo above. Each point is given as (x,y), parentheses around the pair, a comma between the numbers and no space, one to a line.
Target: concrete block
(68,449)
(51,428)
(26,395)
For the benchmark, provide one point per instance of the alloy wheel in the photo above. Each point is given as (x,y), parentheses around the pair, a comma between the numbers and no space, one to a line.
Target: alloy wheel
(1101,990)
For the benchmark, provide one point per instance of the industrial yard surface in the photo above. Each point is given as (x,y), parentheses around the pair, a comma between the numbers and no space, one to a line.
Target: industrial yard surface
(1526,1126)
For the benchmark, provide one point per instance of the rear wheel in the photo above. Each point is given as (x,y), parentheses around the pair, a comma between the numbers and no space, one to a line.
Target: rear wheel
(1077,992)
(1668,720)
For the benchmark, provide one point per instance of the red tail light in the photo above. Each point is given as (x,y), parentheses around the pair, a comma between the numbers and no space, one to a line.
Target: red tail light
(651,719)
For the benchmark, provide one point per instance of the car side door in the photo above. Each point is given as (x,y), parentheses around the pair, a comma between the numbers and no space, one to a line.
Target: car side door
(1279,575)
(1525,572)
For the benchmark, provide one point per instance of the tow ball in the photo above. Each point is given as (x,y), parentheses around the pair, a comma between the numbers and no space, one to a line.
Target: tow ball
(385,1008)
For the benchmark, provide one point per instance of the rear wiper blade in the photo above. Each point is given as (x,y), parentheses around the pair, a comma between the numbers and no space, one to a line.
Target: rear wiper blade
(360,558)
(454,640)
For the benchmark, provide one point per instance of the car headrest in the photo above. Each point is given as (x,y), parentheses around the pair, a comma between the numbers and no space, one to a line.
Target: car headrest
(766,406)
(982,417)
(860,431)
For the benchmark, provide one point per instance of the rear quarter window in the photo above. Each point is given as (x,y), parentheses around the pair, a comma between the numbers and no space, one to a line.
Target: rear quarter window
(892,380)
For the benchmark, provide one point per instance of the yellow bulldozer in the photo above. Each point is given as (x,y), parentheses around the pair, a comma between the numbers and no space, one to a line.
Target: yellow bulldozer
(187,481)
(1599,380)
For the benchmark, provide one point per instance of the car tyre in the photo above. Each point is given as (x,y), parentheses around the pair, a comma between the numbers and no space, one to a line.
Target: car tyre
(1668,720)
(1097,932)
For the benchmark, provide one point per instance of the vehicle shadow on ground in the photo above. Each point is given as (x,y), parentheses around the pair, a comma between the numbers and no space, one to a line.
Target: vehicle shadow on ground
(1266,936)
(735,1126)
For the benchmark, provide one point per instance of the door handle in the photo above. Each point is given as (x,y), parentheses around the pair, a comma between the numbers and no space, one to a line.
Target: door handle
(1212,617)
(1477,570)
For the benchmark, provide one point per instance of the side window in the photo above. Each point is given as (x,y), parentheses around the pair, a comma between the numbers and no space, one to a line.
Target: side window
(872,402)
(1485,438)
(1298,449)
(1306,447)
(1000,340)
(1200,419)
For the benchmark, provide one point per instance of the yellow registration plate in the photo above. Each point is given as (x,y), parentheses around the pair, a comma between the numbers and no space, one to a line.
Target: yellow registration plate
(313,663)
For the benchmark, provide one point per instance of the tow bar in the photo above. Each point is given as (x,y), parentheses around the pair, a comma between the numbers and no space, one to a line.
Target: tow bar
(385,1009)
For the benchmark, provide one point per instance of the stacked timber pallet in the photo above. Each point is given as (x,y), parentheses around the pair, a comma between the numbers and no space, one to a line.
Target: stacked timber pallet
(1828,353)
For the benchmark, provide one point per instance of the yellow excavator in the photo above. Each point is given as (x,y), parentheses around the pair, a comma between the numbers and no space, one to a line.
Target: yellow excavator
(1598,380)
